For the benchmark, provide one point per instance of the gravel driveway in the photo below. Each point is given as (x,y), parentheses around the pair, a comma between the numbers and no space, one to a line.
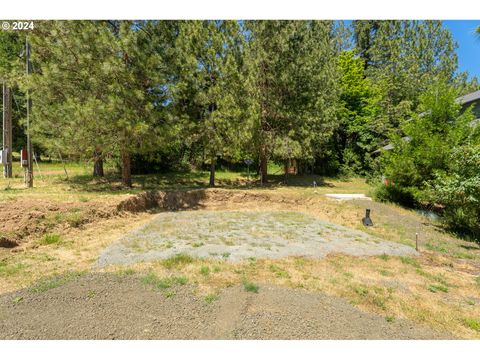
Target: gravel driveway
(107,306)
(237,235)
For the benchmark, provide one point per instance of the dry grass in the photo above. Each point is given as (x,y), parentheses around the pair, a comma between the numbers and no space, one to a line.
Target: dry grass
(386,286)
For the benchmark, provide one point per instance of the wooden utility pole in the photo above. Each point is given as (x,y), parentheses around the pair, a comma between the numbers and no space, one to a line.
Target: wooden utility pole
(29,177)
(7,129)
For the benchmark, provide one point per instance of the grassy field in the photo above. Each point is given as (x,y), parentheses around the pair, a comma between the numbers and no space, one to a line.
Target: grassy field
(440,288)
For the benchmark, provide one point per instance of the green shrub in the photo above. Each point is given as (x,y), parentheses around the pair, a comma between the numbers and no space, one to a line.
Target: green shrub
(458,189)
(436,160)
(396,194)
(250,287)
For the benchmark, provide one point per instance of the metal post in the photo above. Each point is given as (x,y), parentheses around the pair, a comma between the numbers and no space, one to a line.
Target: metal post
(7,130)
(29,179)
(416,241)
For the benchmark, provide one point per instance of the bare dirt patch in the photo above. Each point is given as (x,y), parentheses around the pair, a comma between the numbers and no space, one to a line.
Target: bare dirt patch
(187,200)
(26,219)
(102,306)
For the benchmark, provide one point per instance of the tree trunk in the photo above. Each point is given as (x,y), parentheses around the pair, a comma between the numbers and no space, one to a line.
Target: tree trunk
(98,164)
(263,165)
(7,129)
(212,174)
(287,166)
(126,169)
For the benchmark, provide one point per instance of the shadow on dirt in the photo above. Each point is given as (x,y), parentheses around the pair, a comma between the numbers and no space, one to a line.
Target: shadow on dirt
(163,200)
(189,181)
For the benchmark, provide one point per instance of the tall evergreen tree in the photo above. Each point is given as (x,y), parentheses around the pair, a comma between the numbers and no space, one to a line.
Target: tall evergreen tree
(404,58)
(210,89)
(295,88)
(100,83)
(12,68)
(356,135)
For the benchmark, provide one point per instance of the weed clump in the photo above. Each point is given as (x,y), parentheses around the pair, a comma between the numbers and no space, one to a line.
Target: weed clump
(50,239)
(437,287)
(409,261)
(177,260)
(250,287)
(205,270)
(473,324)
(163,283)
(56,281)
(210,298)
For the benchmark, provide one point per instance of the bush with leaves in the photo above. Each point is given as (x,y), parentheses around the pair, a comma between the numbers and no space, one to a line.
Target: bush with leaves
(424,146)
(458,189)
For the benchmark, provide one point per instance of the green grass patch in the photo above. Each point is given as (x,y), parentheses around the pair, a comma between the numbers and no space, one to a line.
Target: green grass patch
(170,294)
(55,281)
(197,244)
(477,280)
(473,324)
(360,290)
(11,269)
(384,272)
(17,299)
(49,239)
(205,270)
(433,247)
(163,283)
(407,260)
(250,286)
(75,219)
(125,272)
(279,272)
(438,278)
(177,261)
(210,298)
(437,287)
(390,318)
(384,257)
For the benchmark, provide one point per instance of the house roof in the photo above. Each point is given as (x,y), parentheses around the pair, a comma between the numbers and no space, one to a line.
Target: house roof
(390,146)
(465,99)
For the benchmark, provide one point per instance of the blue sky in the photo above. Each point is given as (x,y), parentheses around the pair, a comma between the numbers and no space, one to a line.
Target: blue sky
(468,44)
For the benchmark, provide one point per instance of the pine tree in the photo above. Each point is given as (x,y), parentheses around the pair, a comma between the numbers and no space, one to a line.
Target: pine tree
(209,93)
(403,59)
(100,83)
(295,89)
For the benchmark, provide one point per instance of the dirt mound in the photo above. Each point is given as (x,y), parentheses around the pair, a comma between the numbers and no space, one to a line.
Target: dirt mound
(105,306)
(23,219)
(183,200)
